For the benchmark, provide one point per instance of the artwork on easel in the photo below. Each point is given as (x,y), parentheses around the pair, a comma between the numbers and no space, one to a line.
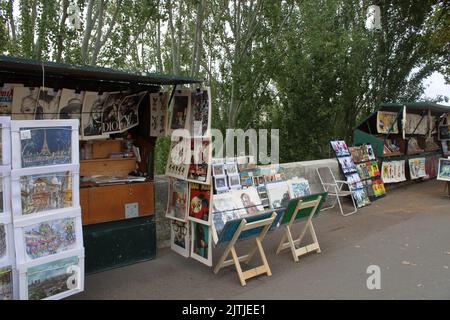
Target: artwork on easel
(386,120)
(201,112)
(6,283)
(199,168)
(158,113)
(110,113)
(180,237)
(129,111)
(224,209)
(47,104)
(177,161)
(180,110)
(200,203)
(6,98)
(70,105)
(91,119)
(201,248)
(178,203)
(25,100)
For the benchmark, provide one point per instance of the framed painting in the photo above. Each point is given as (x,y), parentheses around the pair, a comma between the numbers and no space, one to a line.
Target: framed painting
(44,143)
(221,183)
(40,191)
(201,246)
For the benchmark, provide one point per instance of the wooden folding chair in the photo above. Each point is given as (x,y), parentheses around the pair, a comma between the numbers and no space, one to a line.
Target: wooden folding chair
(305,207)
(252,226)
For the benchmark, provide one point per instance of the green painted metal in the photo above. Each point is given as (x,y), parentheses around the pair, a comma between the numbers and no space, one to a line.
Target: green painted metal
(119,243)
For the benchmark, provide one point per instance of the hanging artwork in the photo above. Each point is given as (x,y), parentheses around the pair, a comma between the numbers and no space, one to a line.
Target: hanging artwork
(25,100)
(393,171)
(417,168)
(278,193)
(299,188)
(53,280)
(201,112)
(180,111)
(180,237)
(201,248)
(387,121)
(129,110)
(248,201)
(6,98)
(340,148)
(199,167)
(178,161)
(47,104)
(224,210)
(91,119)
(200,203)
(110,113)
(178,204)
(6,283)
(416,124)
(158,113)
(444,170)
(70,105)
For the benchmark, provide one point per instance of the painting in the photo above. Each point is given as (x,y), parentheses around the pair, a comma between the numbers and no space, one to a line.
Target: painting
(91,119)
(24,103)
(46,146)
(180,111)
(52,278)
(3,242)
(110,113)
(201,248)
(177,161)
(248,201)
(354,181)
(234,181)
(177,207)
(444,170)
(361,198)
(49,238)
(199,168)
(224,210)
(43,192)
(221,183)
(129,111)
(158,113)
(180,237)
(218,170)
(393,171)
(70,105)
(370,152)
(340,148)
(416,124)
(278,193)
(299,188)
(47,104)
(6,98)
(6,283)
(201,112)
(199,202)
(387,122)
(347,165)
(363,170)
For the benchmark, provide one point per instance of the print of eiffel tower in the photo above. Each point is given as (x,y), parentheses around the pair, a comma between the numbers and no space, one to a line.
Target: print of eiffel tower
(45,150)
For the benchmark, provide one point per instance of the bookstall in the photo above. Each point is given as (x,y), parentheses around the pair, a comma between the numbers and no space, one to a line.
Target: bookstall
(82,168)
(407,139)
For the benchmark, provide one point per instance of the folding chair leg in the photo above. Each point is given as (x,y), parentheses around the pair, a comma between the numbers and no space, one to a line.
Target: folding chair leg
(314,236)
(350,213)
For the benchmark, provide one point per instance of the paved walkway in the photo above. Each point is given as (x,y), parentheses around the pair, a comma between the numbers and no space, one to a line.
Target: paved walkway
(407,234)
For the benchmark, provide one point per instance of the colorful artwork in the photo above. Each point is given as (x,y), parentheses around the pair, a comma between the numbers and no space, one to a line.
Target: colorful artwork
(52,278)
(224,210)
(91,119)
(199,202)
(340,148)
(110,113)
(6,98)
(386,120)
(201,243)
(178,199)
(378,188)
(47,104)
(25,100)
(158,111)
(6,283)
(354,181)
(42,192)
(363,170)
(181,105)
(179,236)
(248,201)
(3,244)
(361,198)
(357,154)
(347,164)
(201,112)
(70,105)
(129,111)
(46,146)
(199,168)
(393,171)
(444,170)
(48,238)
(278,193)
(417,168)
(299,188)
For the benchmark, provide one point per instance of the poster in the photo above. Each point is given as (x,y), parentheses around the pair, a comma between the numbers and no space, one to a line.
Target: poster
(6,283)
(201,112)
(224,210)
(393,171)
(278,193)
(47,104)
(180,111)
(70,105)
(158,113)
(177,161)
(49,238)
(340,148)
(24,103)
(444,170)
(43,192)
(91,119)
(110,113)
(180,237)
(129,111)
(46,146)
(299,188)
(6,98)
(417,168)
(199,202)
(53,278)
(199,167)
(248,201)
(416,124)
(386,120)
(201,248)
(178,199)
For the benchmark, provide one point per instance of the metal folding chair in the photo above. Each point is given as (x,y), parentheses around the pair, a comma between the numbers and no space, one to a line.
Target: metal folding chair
(334,188)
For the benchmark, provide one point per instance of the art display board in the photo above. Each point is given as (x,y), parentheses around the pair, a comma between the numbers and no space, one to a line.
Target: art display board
(201,243)
(417,168)
(54,279)
(444,170)
(44,190)
(344,157)
(40,239)
(180,237)
(44,143)
(5,140)
(178,201)
(393,171)
(159,105)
